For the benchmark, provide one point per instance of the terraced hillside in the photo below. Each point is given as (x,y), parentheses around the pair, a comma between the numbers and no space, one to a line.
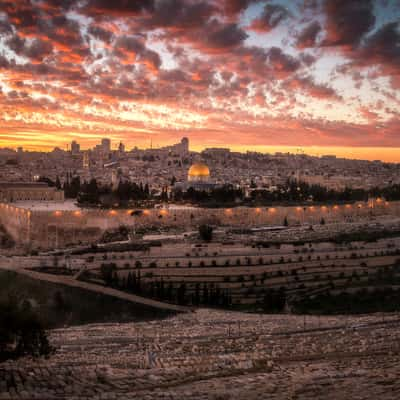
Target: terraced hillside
(274,277)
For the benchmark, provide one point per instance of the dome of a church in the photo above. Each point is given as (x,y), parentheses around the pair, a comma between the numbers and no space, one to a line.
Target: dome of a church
(198,172)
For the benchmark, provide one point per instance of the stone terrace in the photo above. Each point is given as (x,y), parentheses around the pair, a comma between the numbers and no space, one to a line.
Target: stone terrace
(212,354)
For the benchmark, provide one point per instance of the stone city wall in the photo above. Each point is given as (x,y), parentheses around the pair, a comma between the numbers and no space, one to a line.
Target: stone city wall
(47,229)
(16,221)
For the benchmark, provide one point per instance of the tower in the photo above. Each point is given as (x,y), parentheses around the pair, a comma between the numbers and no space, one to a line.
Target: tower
(75,147)
(86,160)
(106,145)
(185,146)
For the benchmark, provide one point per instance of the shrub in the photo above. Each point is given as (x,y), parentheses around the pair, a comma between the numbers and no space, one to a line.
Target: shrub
(206,232)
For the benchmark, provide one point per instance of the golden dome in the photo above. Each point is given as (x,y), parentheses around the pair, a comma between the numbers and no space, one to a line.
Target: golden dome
(198,171)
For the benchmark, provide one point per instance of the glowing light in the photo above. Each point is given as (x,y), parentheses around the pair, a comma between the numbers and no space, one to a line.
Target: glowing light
(298,209)
(77,213)
(272,210)
(163,212)
(335,207)
(258,210)
(228,211)
(348,205)
(113,212)
(57,213)
(146,212)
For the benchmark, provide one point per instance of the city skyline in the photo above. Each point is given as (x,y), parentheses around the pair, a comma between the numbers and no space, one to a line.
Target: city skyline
(320,76)
(364,153)
(390,155)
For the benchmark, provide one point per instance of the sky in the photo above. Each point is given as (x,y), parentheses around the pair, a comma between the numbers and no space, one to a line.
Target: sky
(312,76)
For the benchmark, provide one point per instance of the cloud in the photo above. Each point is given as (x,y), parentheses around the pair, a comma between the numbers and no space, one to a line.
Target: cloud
(119,8)
(97,62)
(224,36)
(35,50)
(234,7)
(347,21)
(384,45)
(307,86)
(307,37)
(131,49)
(100,33)
(382,49)
(282,64)
(5,27)
(271,17)
(179,14)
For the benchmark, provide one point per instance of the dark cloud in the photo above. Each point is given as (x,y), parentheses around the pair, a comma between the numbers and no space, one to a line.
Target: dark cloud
(129,43)
(233,7)
(119,7)
(317,90)
(282,63)
(132,48)
(348,21)
(272,15)
(100,33)
(62,4)
(16,44)
(38,49)
(382,48)
(219,36)
(5,27)
(384,45)
(180,14)
(20,13)
(308,35)
(35,50)
(4,62)
(307,59)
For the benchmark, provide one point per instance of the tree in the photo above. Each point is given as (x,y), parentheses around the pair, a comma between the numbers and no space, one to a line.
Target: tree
(108,273)
(58,183)
(206,232)
(285,222)
(181,294)
(21,331)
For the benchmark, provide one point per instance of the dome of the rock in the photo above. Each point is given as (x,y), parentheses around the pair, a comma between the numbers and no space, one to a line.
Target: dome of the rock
(198,172)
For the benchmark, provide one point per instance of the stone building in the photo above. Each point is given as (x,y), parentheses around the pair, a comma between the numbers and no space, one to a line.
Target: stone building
(29,191)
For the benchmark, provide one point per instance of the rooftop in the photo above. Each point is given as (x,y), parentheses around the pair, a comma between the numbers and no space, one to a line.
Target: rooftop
(67,205)
(17,185)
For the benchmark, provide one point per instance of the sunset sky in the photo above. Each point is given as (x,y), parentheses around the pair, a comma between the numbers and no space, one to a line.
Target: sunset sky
(320,76)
